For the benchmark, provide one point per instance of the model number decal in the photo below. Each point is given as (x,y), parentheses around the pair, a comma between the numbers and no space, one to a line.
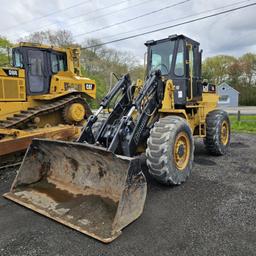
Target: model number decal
(11,72)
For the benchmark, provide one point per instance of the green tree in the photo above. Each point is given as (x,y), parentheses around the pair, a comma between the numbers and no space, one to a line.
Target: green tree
(218,69)
(62,38)
(240,73)
(248,66)
(5,49)
(99,62)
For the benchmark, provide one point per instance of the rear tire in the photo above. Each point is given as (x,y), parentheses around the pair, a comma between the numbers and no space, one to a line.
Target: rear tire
(217,138)
(170,150)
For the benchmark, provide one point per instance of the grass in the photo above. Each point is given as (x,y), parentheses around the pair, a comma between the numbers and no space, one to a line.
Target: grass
(243,126)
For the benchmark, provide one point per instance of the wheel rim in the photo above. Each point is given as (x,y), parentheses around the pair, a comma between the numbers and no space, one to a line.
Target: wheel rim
(224,133)
(76,112)
(181,151)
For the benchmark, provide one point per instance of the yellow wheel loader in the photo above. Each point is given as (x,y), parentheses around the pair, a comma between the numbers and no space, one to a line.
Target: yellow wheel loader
(42,89)
(96,185)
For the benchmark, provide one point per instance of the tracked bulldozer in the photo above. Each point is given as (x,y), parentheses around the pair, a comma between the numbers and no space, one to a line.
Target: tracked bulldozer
(42,89)
(96,185)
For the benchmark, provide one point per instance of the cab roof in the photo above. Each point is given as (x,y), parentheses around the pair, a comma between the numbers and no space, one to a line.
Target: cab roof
(172,38)
(41,46)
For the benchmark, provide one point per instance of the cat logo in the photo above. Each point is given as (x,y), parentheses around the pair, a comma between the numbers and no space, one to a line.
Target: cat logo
(89,86)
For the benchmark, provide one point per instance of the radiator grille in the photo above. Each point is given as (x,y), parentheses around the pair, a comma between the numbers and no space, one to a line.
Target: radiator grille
(11,89)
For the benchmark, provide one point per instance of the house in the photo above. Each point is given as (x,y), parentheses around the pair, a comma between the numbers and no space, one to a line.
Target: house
(228,95)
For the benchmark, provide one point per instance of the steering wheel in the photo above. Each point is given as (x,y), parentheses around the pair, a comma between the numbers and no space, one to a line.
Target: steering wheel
(160,65)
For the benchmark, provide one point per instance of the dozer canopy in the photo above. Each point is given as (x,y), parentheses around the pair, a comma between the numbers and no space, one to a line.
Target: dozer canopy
(82,186)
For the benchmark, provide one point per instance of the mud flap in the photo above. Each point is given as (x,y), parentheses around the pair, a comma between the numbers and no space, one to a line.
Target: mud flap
(81,186)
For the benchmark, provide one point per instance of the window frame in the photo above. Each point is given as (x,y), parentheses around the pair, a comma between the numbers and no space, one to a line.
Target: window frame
(60,56)
(180,42)
(14,59)
(224,99)
(37,67)
(170,61)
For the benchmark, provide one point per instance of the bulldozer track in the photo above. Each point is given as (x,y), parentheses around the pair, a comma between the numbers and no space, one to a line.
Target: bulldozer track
(25,116)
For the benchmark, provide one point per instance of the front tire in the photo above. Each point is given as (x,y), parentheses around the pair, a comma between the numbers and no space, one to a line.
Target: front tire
(170,150)
(217,138)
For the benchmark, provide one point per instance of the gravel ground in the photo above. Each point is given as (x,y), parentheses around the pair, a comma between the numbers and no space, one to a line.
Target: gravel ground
(211,214)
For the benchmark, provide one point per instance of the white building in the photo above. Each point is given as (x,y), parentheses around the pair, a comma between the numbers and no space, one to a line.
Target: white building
(229,97)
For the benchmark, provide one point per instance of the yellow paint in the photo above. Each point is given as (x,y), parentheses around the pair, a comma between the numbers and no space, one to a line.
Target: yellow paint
(181,151)
(168,101)
(139,85)
(76,112)
(13,98)
(224,133)
(195,113)
(8,109)
(16,133)
(13,132)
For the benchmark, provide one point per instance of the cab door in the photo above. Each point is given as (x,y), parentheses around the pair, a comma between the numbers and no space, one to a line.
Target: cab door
(38,76)
(178,73)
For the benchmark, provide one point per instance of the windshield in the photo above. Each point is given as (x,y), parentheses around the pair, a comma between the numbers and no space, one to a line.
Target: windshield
(161,56)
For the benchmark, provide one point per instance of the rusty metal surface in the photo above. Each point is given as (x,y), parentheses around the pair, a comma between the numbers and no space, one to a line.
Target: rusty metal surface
(21,142)
(81,186)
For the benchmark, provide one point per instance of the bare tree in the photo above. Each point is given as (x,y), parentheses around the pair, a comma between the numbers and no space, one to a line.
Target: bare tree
(63,38)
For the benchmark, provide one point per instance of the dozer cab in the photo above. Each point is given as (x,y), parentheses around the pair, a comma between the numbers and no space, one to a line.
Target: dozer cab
(42,89)
(96,185)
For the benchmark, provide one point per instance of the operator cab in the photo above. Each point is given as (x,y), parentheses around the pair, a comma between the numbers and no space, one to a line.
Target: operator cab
(179,59)
(40,64)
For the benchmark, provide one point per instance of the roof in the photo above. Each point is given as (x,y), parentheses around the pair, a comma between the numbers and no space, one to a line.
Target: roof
(170,38)
(42,46)
(227,85)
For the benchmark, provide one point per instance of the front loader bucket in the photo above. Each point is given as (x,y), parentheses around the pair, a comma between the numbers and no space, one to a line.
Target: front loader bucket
(82,186)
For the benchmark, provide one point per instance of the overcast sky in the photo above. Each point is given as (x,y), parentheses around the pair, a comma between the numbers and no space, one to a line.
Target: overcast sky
(233,33)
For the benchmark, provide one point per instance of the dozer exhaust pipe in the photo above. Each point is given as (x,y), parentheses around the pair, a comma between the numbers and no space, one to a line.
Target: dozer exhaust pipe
(82,186)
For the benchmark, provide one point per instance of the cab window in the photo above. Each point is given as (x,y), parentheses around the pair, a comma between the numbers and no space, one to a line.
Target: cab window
(58,62)
(17,59)
(191,61)
(179,64)
(156,59)
(161,56)
(36,64)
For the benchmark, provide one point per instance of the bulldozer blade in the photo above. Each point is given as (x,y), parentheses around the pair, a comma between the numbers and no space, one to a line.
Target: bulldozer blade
(82,186)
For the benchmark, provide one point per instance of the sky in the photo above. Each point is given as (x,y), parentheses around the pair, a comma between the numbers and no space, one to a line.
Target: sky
(232,33)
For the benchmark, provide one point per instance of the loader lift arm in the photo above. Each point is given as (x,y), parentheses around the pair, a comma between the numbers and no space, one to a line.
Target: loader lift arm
(127,125)
(122,86)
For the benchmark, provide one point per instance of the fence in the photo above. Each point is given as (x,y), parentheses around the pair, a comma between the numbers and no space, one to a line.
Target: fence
(242,117)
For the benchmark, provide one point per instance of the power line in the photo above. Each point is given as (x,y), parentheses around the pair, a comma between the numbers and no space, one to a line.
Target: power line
(172,26)
(93,18)
(180,18)
(47,15)
(132,19)
(97,10)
